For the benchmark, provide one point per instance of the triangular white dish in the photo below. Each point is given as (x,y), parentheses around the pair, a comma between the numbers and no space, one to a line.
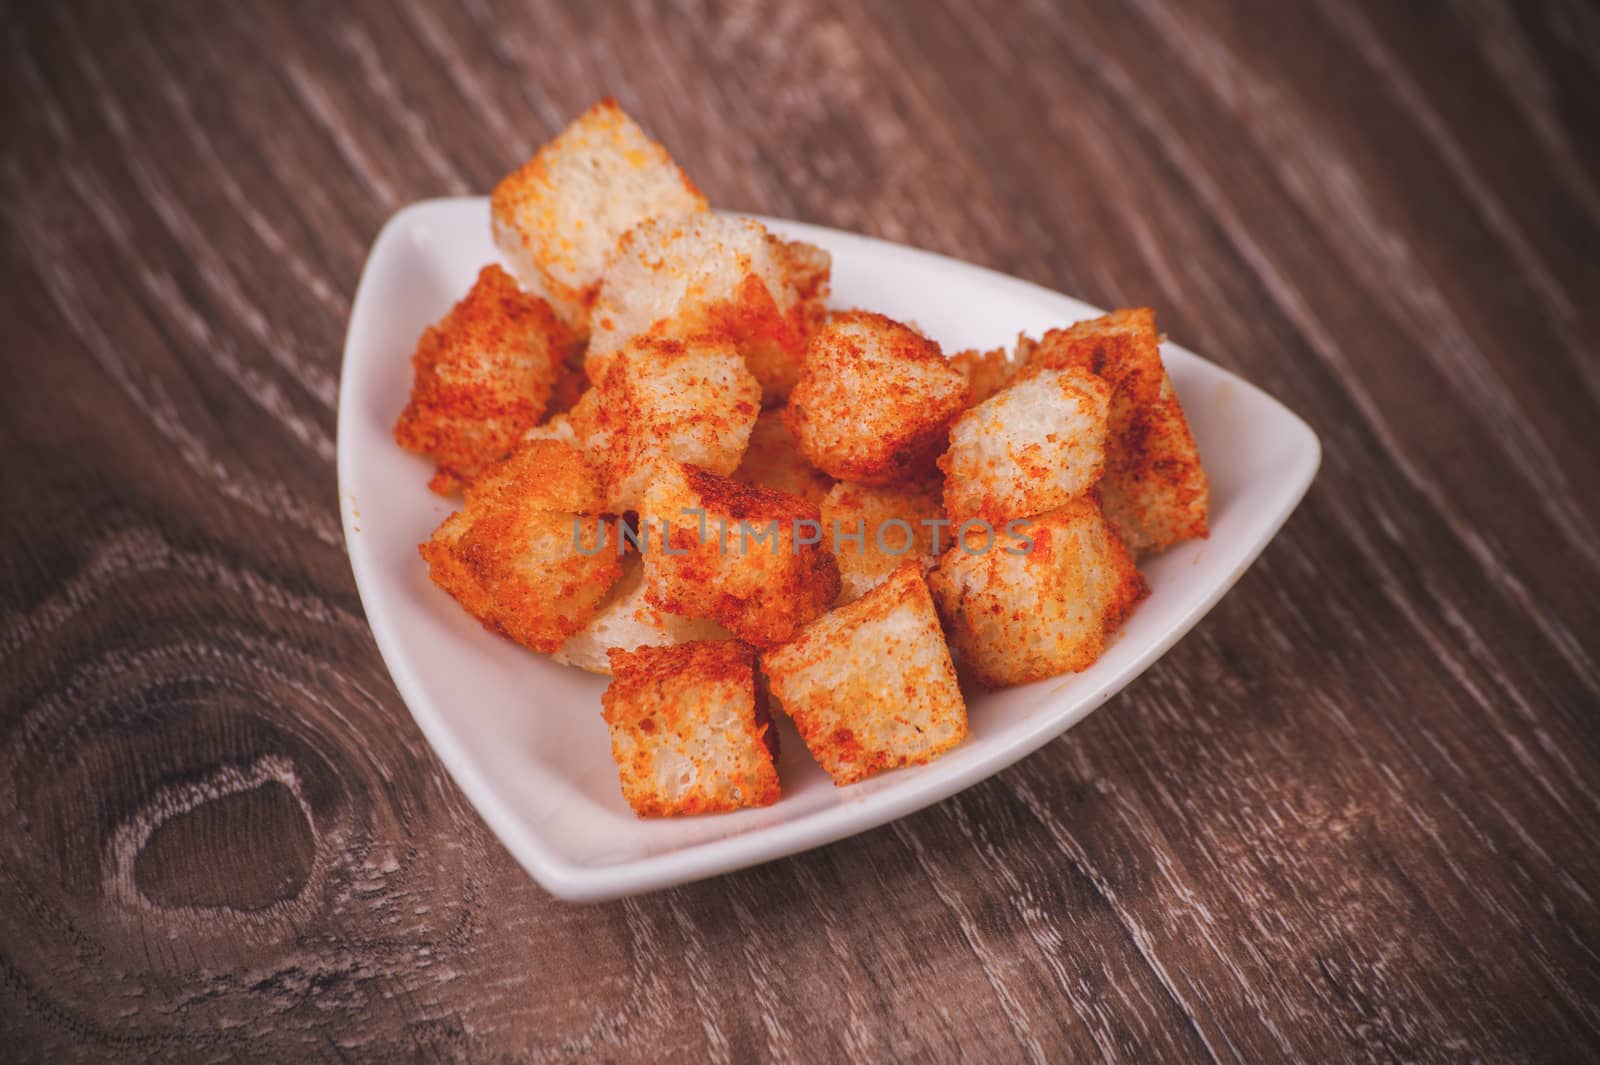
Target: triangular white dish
(523,737)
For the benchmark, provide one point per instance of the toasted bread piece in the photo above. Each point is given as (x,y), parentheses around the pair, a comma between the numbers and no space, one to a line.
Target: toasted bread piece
(627,620)
(751,559)
(773,460)
(1154,489)
(663,398)
(1028,449)
(713,277)
(481,376)
(527,555)
(870,686)
(1039,603)
(874,530)
(874,401)
(987,372)
(687,731)
(558,218)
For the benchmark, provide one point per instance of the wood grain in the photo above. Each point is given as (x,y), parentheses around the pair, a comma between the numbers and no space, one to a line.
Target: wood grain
(1352,816)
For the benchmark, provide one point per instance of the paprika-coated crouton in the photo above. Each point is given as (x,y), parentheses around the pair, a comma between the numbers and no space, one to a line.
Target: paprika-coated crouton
(662,398)
(688,734)
(558,218)
(874,530)
(773,460)
(1040,603)
(1028,449)
(1154,489)
(751,559)
(707,276)
(526,555)
(874,401)
(870,686)
(481,376)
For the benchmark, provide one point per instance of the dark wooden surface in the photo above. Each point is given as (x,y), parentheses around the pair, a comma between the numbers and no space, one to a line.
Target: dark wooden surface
(1352,816)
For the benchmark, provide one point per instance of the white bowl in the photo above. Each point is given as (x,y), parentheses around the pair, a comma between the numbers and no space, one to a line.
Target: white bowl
(523,736)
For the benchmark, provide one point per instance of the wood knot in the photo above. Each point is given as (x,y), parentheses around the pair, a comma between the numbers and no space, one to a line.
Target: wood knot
(238,840)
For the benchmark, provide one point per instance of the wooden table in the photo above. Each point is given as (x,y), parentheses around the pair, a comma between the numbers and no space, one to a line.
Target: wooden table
(1352,816)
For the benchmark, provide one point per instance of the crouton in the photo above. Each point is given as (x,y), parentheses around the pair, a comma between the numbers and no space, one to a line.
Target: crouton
(987,372)
(1040,602)
(874,400)
(873,531)
(1154,489)
(1028,449)
(558,218)
(870,686)
(706,276)
(526,556)
(626,620)
(481,376)
(772,459)
(662,398)
(687,731)
(749,558)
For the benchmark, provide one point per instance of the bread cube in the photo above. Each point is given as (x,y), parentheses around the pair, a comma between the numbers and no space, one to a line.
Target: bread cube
(1022,607)
(712,277)
(1028,449)
(481,376)
(773,460)
(751,559)
(558,218)
(987,372)
(627,620)
(1154,489)
(688,734)
(870,686)
(873,531)
(668,399)
(528,555)
(874,401)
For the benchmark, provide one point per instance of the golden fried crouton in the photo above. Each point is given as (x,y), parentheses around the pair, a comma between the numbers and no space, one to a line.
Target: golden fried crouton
(482,376)
(870,686)
(558,218)
(1039,603)
(873,531)
(1028,449)
(527,556)
(627,620)
(874,401)
(987,372)
(692,401)
(687,731)
(705,276)
(772,459)
(1154,489)
(749,558)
